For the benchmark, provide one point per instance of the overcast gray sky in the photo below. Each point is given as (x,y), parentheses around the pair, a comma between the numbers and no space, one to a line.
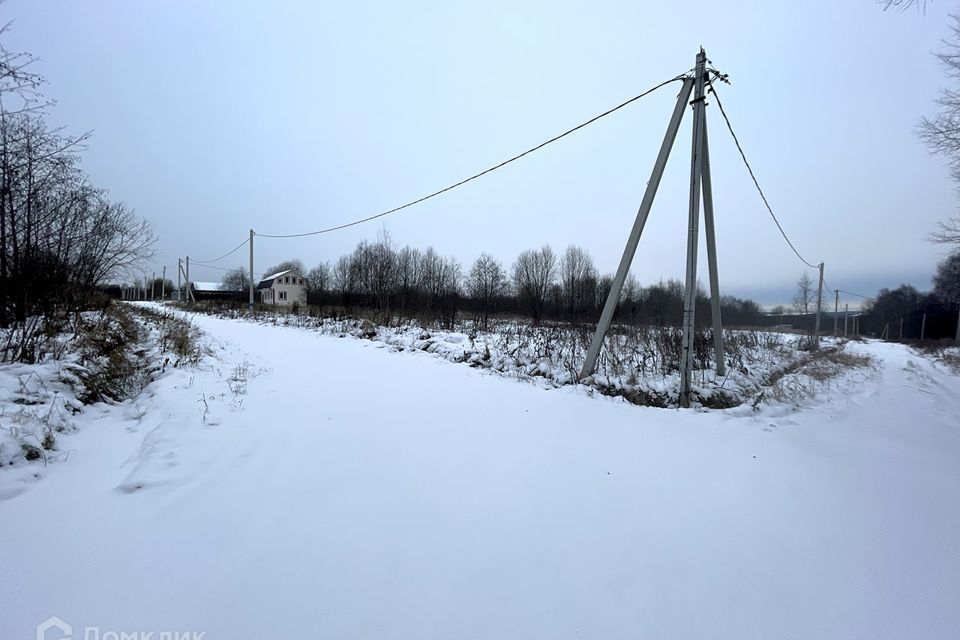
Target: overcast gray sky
(213,117)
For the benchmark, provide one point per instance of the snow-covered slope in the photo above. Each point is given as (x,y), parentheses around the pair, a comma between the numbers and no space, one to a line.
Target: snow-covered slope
(306,486)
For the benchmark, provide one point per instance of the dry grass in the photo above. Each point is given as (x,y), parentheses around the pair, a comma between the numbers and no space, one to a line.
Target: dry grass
(802,381)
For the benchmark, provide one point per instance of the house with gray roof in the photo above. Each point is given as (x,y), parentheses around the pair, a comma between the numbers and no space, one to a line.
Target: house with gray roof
(283,289)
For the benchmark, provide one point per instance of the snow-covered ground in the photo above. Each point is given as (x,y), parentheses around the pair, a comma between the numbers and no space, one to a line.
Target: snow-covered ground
(305,486)
(639,363)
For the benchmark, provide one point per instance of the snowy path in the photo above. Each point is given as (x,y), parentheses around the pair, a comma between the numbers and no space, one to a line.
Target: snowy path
(362,493)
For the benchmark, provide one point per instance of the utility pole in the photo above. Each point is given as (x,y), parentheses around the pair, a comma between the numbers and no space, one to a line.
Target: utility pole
(699,178)
(901,328)
(923,327)
(693,234)
(836,309)
(958,324)
(163,283)
(153,286)
(633,240)
(251,272)
(816,326)
(189,290)
(718,350)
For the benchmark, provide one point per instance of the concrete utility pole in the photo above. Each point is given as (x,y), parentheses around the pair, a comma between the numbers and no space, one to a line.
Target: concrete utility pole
(163,283)
(836,309)
(816,326)
(251,271)
(958,325)
(189,290)
(699,178)
(923,327)
(718,350)
(901,328)
(153,286)
(693,234)
(628,252)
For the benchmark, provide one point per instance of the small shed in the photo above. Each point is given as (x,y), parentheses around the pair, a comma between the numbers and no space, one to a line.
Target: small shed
(283,289)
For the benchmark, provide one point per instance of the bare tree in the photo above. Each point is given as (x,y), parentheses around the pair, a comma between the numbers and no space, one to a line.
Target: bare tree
(59,237)
(486,282)
(408,273)
(946,281)
(381,270)
(947,233)
(343,278)
(237,279)
(19,86)
(903,4)
(577,281)
(533,273)
(320,278)
(804,296)
(941,133)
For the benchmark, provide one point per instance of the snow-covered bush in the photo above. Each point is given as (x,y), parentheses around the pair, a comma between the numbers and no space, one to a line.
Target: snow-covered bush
(99,356)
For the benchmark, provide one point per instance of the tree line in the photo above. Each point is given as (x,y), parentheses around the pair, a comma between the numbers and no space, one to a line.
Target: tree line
(540,284)
(905,312)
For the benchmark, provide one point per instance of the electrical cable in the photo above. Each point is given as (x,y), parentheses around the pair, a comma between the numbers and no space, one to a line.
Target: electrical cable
(477,175)
(743,155)
(226,255)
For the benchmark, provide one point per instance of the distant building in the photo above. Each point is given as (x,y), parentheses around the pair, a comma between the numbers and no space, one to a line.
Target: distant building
(283,289)
(210,291)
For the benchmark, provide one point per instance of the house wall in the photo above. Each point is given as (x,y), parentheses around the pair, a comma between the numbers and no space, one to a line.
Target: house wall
(295,292)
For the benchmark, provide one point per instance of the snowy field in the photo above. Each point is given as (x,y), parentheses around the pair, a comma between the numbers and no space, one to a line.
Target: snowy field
(301,485)
(640,363)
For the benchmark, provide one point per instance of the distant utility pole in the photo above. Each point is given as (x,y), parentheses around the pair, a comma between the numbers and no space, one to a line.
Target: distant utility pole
(923,327)
(153,286)
(836,309)
(251,272)
(163,283)
(699,178)
(189,290)
(816,326)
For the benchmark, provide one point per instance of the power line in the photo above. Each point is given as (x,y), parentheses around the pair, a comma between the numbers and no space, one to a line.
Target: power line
(482,173)
(713,90)
(210,266)
(716,95)
(851,293)
(227,254)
